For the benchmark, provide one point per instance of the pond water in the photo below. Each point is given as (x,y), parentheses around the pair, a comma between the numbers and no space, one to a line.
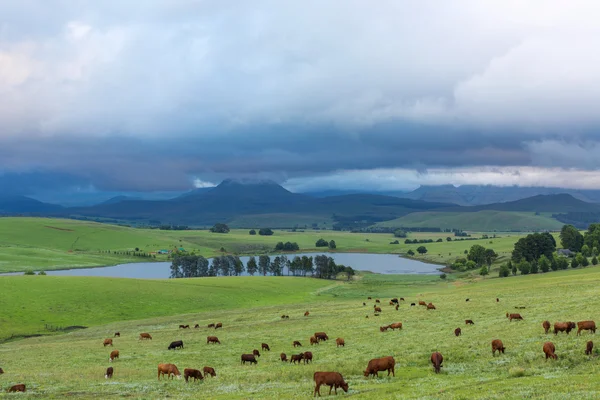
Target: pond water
(379,263)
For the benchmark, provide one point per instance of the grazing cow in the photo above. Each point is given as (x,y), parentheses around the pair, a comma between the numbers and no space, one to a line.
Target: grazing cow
(394,300)
(436,360)
(384,328)
(469,322)
(430,306)
(297,343)
(380,364)
(401,298)
(109,373)
(340,342)
(331,379)
(195,327)
(17,388)
(457,332)
(513,316)
(283,357)
(113,354)
(178,344)
(391,303)
(368,298)
(497,300)
(1,371)
(396,325)
(297,358)
(377,301)
(211,326)
(314,340)
(397,307)
(563,327)
(306,314)
(546,326)
(520,307)
(321,336)
(248,358)
(467,300)
(412,304)
(170,370)
(586,325)
(377,309)
(256,353)
(422,303)
(364,304)
(497,345)
(108,342)
(209,371)
(588,347)
(212,339)
(145,336)
(549,350)
(307,356)
(218,325)
(184,327)
(117,334)
(192,373)
(265,347)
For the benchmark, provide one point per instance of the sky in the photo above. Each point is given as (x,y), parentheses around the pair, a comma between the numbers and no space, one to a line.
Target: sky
(168,95)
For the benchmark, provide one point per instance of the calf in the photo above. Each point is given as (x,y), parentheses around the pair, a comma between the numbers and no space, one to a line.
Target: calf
(586,325)
(306,314)
(109,373)
(412,304)
(218,325)
(313,340)
(307,357)
(178,344)
(297,344)
(170,370)
(384,328)
(283,357)
(513,316)
(321,336)
(401,298)
(209,371)
(212,339)
(549,350)
(430,306)
(340,342)
(331,379)
(422,303)
(117,334)
(588,348)
(497,346)
(391,303)
(192,373)
(436,360)
(469,322)
(546,326)
(457,332)
(113,354)
(17,388)
(195,327)
(563,327)
(265,347)
(377,309)
(248,358)
(380,364)
(467,300)
(108,342)
(256,353)
(145,336)
(297,358)
(396,325)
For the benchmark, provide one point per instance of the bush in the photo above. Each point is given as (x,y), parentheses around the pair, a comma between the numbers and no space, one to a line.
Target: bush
(534,268)
(395,242)
(219,228)
(585,262)
(410,252)
(439,240)
(504,271)
(422,249)
(252,232)
(42,273)
(449,239)
(265,232)
(399,233)
(443,276)
(332,244)
(29,272)
(483,271)
(594,261)
(516,372)
(322,243)
(524,267)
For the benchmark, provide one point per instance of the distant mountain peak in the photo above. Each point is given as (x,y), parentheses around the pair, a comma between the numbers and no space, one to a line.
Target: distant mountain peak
(247,182)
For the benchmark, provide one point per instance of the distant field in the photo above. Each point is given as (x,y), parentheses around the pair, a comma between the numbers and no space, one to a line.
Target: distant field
(481,221)
(276,221)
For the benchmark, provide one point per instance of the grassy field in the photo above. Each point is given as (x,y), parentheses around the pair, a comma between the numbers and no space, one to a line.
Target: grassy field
(481,221)
(73,364)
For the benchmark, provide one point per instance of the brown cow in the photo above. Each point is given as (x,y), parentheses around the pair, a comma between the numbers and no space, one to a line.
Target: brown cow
(467,299)
(209,371)
(265,346)
(313,340)
(368,298)
(457,331)
(113,354)
(549,350)
(331,379)
(218,325)
(377,301)
(340,342)
(380,364)
(297,343)
(586,325)
(396,325)
(377,309)
(397,307)
(401,298)
(108,342)
(497,345)
(109,373)
(422,303)
(563,327)
(497,300)
(364,304)
(588,347)
(513,316)
(184,327)
(546,326)
(306,314)
(297,358)
(436,360)
(392,303)
(117,334)
(145,336)
(168,369)
(248,358)
(18,388)
(1,371)
(212,339)
(384,328)
(283,357)
(211,326)
(307,356)
(192,373)
(430,306)
(469,322)
(197,326)
(321,336)
(256,353)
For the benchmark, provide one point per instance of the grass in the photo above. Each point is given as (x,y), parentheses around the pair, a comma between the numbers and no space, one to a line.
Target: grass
(73,364)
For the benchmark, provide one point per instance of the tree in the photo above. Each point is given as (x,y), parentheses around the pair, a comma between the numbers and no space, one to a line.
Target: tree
(219,228)
(585,262)
(307,265)
(595,261)
(332,244)
(534,267)
(531,247)
(504,271)
(251,266)
(276,267)
(563,263)
(321,243)
(554,262)
(265,232)
(586,251)
(279,246)
(595,251)
(470,265)
(422,249)
(571,238)
(574,262)
(448,239)
(513,269)
(349,271)
(477,254)
(483,271)
(252,232)
(524,267)
(264,264)
(399,233)
(410,252)
(238,267)
(202,266)
(592,236)
(544,263)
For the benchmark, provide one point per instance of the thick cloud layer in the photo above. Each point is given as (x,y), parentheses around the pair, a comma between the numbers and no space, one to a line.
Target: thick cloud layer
(162,94)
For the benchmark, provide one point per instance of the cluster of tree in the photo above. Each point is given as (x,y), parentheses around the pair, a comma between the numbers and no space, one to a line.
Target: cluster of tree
(287,246)
(572,239)
(219,228)
(579,219)
(417,241)
(326,268)
(174,227)
(265,232)
(477,257)
(461,234)
(399,233)
(533,246)
(544,264)
(136,253)
(324,243)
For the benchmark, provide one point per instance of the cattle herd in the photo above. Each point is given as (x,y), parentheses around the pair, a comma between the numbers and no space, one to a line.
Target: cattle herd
(334,379)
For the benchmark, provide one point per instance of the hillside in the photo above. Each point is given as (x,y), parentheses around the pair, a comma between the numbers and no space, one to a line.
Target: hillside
(25,205)
(543,204)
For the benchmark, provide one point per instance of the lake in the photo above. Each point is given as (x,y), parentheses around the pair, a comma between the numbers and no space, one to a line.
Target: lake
(379,263)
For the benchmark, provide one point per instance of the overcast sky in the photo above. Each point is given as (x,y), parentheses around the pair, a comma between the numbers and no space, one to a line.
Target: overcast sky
(168,94)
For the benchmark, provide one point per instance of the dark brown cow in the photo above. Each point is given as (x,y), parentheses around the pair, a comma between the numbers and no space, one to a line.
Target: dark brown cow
(497,345)
(497,300)
(178,344)
(549,350)
(394,300)
(469,322)
(430,306)
(377,309)
(396,325)
(145,336)
(18,388)
(192,373)
(209,371)
(170,370)
(586,325)
(211,326)
(368,298)
(466,299)
(364,304)
(306,314)
(401,298)
(113,354)
(513,316)
(265,346)
(377,301)
(256,353)
(1,371)
(380,364)
(589,346)
(184,327)
(422,303)
(436,360)
(109,373)
(563,327)
(297,343)
(117,334)
(297,358)
(108,342)
(212,339)
(384,328)
(283,357)
(457,332)
(307,357)
(248,358)
(397,307)
(218,325)
(546,326)
(412,304)
(340,342)
(197,326)
(313,340)
(331,379)
(321,336)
